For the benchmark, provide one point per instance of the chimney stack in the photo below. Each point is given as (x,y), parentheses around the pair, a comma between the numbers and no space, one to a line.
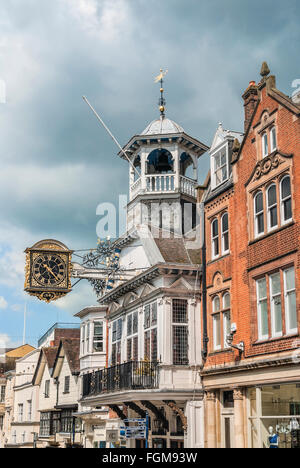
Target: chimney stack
(250,97)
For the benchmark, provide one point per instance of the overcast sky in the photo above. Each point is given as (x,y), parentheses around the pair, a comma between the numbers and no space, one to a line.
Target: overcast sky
(57,164)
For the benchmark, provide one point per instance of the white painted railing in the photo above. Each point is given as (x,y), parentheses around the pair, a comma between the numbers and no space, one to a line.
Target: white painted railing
(160,183)
(135,188)
(188,186)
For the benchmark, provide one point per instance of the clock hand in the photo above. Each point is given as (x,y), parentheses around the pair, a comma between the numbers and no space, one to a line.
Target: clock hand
(50,271)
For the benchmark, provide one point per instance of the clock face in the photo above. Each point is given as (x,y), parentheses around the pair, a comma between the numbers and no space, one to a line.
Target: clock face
(49,269)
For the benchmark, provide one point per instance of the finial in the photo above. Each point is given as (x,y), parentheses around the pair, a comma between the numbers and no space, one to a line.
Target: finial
(265,71)
(236,146)
(162,101)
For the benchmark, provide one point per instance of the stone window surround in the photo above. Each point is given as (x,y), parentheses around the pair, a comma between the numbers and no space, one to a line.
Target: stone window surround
(265,184)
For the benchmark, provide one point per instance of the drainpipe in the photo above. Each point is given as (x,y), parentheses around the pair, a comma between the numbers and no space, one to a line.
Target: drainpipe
(204,289)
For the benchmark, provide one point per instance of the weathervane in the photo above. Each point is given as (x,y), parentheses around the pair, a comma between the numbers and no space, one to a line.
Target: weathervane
(162,101)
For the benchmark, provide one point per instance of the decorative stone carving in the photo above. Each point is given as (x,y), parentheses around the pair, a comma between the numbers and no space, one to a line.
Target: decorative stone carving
(238,394)
(211,396)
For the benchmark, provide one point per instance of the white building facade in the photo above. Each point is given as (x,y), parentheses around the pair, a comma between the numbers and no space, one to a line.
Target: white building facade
(154,316)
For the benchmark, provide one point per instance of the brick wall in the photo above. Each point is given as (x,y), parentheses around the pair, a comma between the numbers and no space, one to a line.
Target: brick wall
(249,257)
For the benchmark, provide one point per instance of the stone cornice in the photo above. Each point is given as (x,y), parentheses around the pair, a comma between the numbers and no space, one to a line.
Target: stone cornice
(246,366)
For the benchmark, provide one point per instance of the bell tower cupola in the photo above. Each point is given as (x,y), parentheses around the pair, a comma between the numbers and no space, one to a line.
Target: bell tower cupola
(163,173)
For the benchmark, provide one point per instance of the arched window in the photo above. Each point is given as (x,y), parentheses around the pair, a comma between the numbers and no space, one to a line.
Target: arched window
(160,161)
(259,214)
(272,207)
(286,200)
(225,233)
(217,323)
(265,145)
(273,139)
(187,167)
(215,238)
(226,318)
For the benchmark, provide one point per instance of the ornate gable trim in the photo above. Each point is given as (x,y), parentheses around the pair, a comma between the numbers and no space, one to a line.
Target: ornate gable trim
(181,283)
(267,164)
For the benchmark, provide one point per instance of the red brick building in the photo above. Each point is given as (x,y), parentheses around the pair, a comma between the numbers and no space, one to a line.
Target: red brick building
(252,212)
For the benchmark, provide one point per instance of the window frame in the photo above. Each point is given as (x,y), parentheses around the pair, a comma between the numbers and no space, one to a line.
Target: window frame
(97,338)
(183,325)
(225,312)
(275,334)
(289,331)
(151,329)
(259,300)
(272,207)
(284,200)
(132,338)
(272,133)
(224,233)
(265,145)
(259,213)
(215,240)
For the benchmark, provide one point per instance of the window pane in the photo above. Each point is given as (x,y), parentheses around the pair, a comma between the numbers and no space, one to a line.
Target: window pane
(217,331)
(215,228)
(225,223)
(216,304)
(273,139)
(264,318)
(260,224)
(226,301)
(216,247)
(180,311)
(135,323)
(273,217)
(129,325)
(275,284)
(180,345)
(272,199)
(290,279)
(262,288)
(286,187)
(292,311)
(259,204)
(287,208)
(154,344)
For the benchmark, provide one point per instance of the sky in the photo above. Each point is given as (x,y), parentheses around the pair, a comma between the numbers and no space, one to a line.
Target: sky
(58,164)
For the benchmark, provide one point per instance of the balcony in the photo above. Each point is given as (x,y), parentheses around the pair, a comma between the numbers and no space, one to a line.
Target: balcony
(133,375)
(163,183)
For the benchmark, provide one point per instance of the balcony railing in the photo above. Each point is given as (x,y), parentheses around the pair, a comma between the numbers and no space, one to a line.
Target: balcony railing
(160,183)
(133,375)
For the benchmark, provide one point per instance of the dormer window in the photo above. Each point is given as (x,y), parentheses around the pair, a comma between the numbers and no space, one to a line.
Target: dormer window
(273,139)
(265,145)
(220,163)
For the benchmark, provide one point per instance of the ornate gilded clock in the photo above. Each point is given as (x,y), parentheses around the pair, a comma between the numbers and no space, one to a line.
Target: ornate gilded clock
(48,270)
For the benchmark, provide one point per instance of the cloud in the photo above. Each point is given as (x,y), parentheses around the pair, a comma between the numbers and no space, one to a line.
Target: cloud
(57,163)
(3,303)
(81,296)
